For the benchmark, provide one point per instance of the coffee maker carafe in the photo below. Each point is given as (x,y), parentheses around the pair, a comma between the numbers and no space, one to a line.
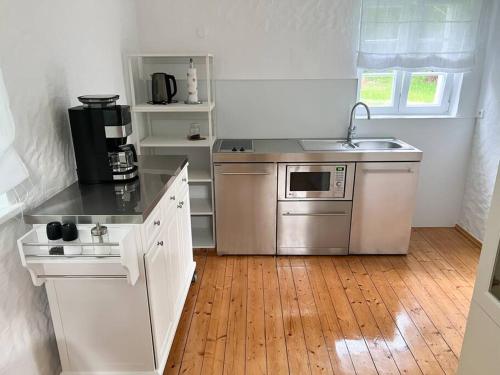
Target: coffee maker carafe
(99,129)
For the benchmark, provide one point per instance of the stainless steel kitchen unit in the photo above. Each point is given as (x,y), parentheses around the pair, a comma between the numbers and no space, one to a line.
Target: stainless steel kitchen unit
(332,197)
(245,208)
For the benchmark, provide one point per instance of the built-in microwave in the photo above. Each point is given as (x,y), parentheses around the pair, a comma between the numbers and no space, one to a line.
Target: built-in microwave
(310,181)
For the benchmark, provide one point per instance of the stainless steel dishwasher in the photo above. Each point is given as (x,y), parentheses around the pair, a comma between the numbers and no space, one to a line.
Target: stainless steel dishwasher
(384,202)
(245,208)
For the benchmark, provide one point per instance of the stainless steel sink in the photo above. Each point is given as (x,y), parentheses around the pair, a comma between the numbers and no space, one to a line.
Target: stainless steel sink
(325,145)
(356,144)
(377,145)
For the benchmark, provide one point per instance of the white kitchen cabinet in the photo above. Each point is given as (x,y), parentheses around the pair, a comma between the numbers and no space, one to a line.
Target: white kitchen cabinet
(117,314)
(160,291)
(173,268)
(383,206)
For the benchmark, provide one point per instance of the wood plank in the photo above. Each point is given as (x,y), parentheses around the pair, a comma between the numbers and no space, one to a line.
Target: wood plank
(282,261)
(448,287)
(468,236)
(282,315)
(382,356)
(458,251)
(319,359)
(192,360)
(298,362)
(256,362)
(439,277)
(398,277)
(297,261)
(334,339)
(213,360)
(415,274)
(234,359)
(431,334)
(387,310)
(420,245)
(460,283)
(355,341)
(174,360)
(277,361)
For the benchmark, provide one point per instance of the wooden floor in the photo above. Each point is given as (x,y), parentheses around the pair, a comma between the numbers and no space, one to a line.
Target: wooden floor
(329,315)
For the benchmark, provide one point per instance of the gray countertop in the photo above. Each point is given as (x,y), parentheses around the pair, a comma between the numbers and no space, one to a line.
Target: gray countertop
(124,203)
(290,150)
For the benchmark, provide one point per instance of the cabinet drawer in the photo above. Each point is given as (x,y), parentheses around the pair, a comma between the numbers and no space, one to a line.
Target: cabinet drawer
(152,226)
(98,269)
(313,227)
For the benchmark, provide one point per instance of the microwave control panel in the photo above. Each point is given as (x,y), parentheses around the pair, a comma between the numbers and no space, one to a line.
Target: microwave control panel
(338,181)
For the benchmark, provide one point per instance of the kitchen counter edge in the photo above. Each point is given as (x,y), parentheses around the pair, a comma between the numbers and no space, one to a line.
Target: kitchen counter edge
(148,165)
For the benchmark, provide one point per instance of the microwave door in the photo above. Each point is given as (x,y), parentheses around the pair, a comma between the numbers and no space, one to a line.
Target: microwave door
(309,182)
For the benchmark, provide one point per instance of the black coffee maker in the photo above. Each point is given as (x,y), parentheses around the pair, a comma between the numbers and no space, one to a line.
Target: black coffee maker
(99,129)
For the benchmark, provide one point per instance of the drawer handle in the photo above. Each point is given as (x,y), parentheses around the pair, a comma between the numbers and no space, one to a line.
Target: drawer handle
(382,170)
(181,203)
(159,243)
(156,222)
(172,197)
(315,214)
(184,179)
(245,173)
(81,276)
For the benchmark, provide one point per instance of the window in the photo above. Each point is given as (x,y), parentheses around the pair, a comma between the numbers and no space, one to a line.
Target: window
(394,92)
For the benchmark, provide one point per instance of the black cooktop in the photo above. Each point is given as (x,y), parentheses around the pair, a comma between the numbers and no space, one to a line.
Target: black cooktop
(236,145)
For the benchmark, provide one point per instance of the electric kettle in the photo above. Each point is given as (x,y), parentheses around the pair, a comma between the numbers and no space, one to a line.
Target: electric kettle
(164,88)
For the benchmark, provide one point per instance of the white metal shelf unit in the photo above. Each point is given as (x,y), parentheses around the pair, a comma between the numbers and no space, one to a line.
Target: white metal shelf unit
(163,129)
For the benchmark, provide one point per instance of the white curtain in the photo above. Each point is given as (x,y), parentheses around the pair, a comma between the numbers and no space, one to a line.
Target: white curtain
(416,34)
(12,169)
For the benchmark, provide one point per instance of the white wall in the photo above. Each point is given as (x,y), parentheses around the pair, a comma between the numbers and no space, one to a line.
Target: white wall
(49,54)
(286,69)
(486,143)
(254,39)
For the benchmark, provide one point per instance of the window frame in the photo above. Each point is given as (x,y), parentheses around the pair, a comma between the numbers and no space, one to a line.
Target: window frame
(449,94)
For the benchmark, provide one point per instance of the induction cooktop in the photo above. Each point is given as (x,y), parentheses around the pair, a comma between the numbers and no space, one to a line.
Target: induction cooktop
(236,145)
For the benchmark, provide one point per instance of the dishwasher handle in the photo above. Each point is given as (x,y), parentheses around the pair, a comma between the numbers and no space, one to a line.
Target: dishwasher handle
(244,173)
(388,170)
(343,213)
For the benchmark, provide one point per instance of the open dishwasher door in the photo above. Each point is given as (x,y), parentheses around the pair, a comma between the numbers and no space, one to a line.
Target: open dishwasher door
(245,208)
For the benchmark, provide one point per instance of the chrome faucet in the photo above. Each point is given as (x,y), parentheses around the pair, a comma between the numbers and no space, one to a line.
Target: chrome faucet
(352,128)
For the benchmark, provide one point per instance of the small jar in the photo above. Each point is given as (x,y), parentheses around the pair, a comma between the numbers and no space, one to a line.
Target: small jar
(194,131)
(54,235)
(100,236)
(70,236)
